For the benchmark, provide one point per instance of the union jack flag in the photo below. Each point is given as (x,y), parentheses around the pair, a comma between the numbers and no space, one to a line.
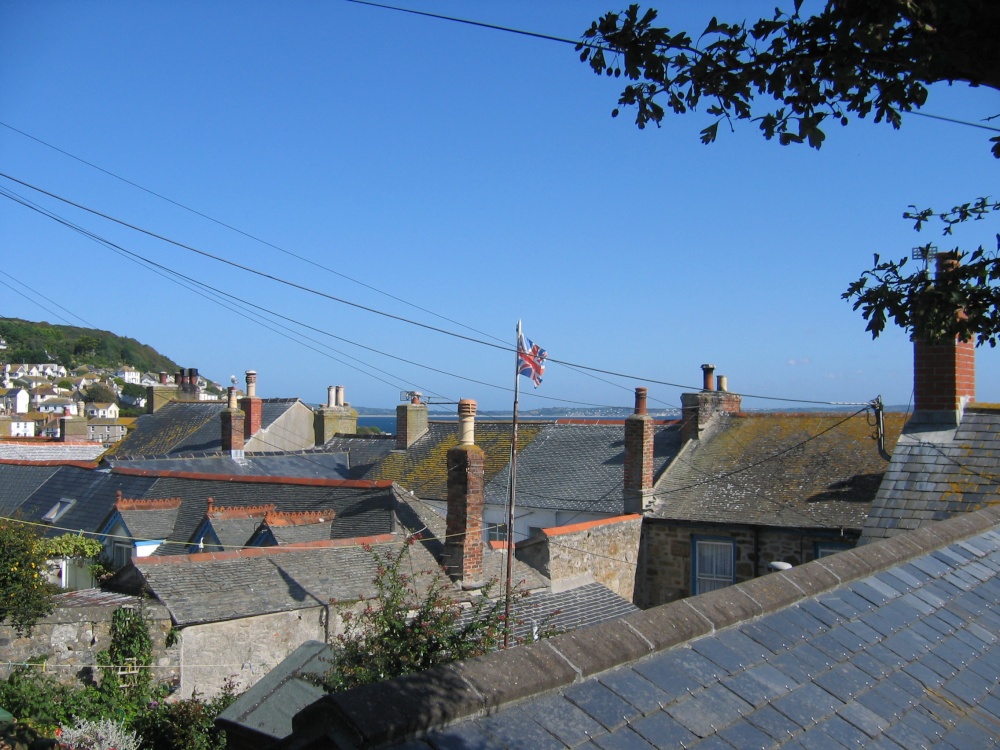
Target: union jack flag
(530,359)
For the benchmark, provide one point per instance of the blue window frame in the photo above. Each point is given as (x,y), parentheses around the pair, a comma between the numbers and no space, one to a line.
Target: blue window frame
(713,563)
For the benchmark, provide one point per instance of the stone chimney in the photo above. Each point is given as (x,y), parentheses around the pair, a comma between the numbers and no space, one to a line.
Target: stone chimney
(72,429)
(252,407)
(944,375)
(411,422)
(463,547)
(232,427)
(336,417)
(638,454)
(699,409)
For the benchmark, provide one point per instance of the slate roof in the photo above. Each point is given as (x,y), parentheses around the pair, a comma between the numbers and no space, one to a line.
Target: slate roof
(18,481)
(150,523)
(319,465)
(578,467)
(236,532)
(937,472)
(48,450)
(302,533)
(360,511)
(268,706)
(422,467)
(364,451)
(94,491)
(890,645)
(190,427)
(777,469)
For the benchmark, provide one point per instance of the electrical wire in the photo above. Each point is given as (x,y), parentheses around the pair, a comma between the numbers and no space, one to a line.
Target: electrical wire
(382,313)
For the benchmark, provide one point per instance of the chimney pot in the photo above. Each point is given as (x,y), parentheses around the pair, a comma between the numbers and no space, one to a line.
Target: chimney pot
(232,396)
(339,395)
(251,383)
(723,383)
(640,400)
(163,378)
(707,372)
(331,398)
(466,422)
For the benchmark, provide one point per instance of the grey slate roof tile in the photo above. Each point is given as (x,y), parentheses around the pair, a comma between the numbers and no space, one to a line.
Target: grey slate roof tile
(627,739)
(634,688)
(662,730)
(601,704)
(563,720)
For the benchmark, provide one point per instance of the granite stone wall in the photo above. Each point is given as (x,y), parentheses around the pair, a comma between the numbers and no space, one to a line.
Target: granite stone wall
(667,548)
(69,639)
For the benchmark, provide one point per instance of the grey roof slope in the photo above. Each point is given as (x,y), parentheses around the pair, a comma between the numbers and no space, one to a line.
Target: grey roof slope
(268,706)
(94,492)
(364,451)
(187,427)
(305,464)
(890,645)
(150,523)
(359,511)
(12,450)
(578,467)
(936,472)
(778,469)
(18,481)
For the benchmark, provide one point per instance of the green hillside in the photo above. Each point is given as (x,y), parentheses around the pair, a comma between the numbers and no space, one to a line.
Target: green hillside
(71,346)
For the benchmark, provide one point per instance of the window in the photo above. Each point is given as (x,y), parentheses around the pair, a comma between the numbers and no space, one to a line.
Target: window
(496,532)
(58,510)
(121,554)
(714,564)
(830,548)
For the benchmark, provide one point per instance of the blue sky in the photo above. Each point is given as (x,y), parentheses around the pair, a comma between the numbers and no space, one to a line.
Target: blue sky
(475,174)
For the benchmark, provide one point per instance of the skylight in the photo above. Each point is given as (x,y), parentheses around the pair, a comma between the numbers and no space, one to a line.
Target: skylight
(59,509)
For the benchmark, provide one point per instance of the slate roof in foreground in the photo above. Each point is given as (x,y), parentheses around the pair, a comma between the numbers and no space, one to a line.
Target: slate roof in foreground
(890,645)
(937,471)
(776,469)
(305,464)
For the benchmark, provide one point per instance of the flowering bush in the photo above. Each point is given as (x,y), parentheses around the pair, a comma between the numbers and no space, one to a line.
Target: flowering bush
(103,734)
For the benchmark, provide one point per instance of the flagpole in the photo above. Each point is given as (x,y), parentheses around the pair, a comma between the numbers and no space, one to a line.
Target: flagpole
(513,491)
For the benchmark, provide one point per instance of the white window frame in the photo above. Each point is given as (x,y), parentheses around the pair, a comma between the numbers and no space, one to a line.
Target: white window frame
(713,563)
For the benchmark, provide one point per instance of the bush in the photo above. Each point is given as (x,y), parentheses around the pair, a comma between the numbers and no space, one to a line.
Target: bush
(38,700)
(25,595)
(402,630)
(103,734)
(187,724)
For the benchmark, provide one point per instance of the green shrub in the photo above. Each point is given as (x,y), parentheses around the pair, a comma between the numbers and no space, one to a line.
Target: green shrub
(186,724)
(25,595)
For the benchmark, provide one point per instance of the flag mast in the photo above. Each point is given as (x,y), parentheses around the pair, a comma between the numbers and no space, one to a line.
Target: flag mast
(513,490)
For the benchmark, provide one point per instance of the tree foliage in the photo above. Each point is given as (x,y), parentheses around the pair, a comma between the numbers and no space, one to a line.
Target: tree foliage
(71,346)
(963,301)
(101,394)
(791,73)
(25,595)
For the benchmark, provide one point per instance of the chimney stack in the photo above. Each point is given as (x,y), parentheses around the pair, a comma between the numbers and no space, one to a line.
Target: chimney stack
(700,409)
(411,422)
(252,407)
(944,375)
(336,417)
(638,454)
(232,427)
(163,378)
(463,549)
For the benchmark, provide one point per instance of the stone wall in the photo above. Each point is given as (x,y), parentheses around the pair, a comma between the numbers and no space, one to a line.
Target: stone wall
(606,551)
(70,638)
(666,554)
(244,650)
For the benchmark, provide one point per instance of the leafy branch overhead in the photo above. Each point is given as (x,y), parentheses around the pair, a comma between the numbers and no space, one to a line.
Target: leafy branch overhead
(792,73)
(962,301)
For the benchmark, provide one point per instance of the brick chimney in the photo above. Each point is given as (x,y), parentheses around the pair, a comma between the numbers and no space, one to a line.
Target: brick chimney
(251,406)
(638,454)
(411,422)
(699,409)
(232,427)
(944,375)
(463,547)
(335,417)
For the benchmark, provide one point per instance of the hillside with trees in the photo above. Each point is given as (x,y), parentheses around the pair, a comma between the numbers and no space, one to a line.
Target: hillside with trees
(71,346)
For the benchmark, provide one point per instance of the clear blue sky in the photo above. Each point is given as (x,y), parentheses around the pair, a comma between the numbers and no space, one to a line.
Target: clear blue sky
(473,173)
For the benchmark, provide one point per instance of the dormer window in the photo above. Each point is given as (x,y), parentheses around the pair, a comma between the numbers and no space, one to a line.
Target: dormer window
(58,510)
